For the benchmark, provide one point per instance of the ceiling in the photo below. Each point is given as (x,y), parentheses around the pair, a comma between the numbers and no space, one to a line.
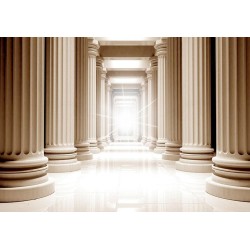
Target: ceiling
(124,58)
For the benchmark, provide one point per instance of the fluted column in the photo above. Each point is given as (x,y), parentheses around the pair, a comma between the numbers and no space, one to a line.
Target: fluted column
(161,53)
(231,169)
(146,109)
(60,85)
(82,100)
(196,151)
(152,103)
(23,166)
(173,112)
(108,111)
(93,47)
(100,102)
(143,113)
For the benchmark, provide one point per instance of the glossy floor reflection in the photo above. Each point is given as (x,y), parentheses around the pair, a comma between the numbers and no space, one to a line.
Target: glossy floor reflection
(127,177)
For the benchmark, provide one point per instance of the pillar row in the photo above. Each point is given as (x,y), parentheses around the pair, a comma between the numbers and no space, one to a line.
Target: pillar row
(231,169)
(60,85)
(23,166)
(173,112)
(196,151)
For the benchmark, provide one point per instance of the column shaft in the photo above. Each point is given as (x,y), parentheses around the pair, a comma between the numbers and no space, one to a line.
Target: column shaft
(196,151)
(231,169)
(91,83)
(60,85)
(143,112)
(100,102)
(108,111)
(23,166)
(152,103)
(173,111)
(161,53)
(82,100)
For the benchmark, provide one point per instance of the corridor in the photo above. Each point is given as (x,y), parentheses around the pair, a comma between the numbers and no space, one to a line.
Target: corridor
(126,177)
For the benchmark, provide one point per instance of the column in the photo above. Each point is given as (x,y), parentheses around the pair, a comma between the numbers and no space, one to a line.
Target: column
(100,102)
(196,151)
(231,176)
(173,112)
(93,47)
(152,103)
(143,111)
(161,53)
(82,101)
(108,111)
(146,109)
(60,85)
(23,166)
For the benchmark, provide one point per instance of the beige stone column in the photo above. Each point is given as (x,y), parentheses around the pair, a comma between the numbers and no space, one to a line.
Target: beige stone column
(152,103)
(161,53)
(231,176)
(100,103)
(23,166)
(60,86)
(93,47)
(143,112)
(146,109)
(196,151)
(108,111)
(173,112)
(82,100)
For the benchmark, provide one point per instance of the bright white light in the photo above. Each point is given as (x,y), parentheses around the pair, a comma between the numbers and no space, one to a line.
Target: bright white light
(125,122)
(126,64)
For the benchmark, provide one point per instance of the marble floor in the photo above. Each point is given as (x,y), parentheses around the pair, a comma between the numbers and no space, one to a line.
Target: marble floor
(126,177)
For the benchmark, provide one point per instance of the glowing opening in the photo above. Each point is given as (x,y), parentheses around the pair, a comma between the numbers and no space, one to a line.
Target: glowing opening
(125,121)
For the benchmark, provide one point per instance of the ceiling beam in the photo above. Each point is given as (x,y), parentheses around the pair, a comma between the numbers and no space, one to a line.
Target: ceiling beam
(121,73)
(126,51)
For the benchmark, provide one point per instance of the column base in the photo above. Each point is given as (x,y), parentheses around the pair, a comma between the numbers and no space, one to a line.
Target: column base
(196,167)
(170,157)
(84,157)
(172,152)
(144,140)
(159,150)
(26,193)
(83,152)
(94,150)
(227,191)
(62,167)
(101,144)
(160,147)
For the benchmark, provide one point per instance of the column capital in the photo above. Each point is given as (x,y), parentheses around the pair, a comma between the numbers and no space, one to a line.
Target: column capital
(149,73)
(153,62)
(103,73)
(161,47)
(99,62)
(93,47)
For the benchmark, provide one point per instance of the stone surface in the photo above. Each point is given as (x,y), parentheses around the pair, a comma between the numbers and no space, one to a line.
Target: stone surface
(23,166)
(231,176)
(60,88)
(196,152)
